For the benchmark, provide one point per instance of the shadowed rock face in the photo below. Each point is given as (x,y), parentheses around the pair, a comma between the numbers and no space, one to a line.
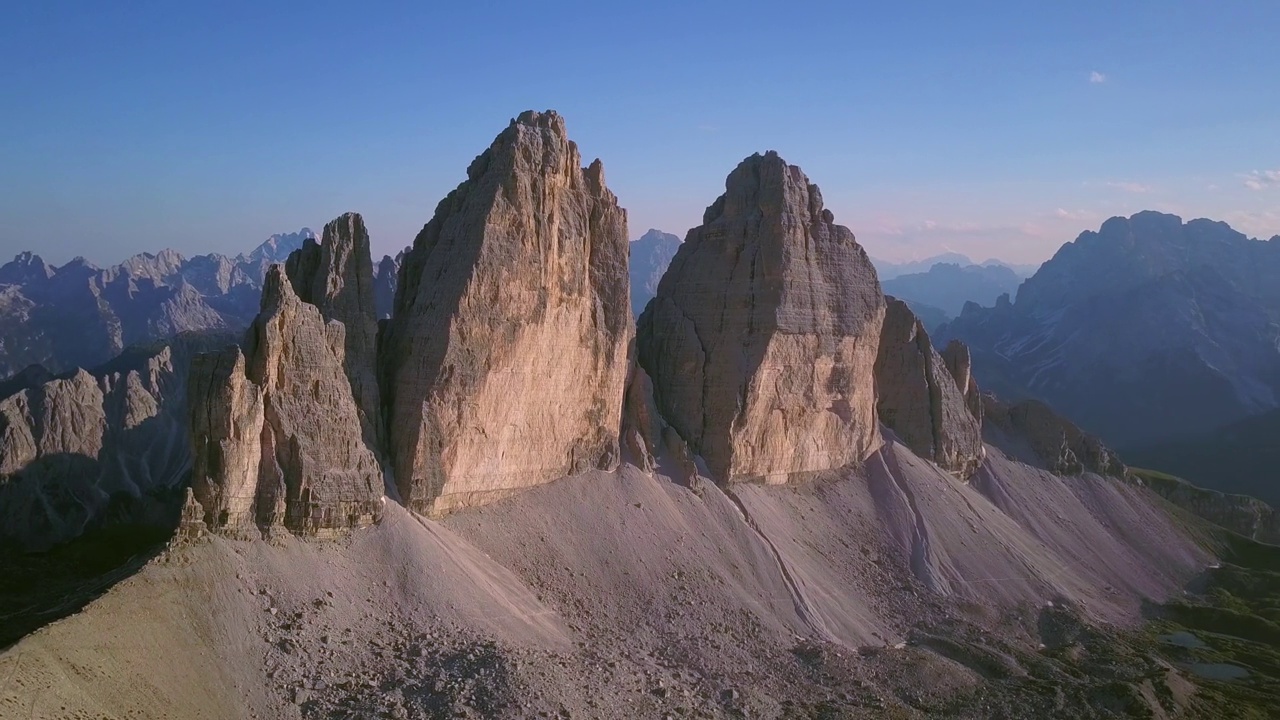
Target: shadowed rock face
(337,277)
(384,285)
(1034,433)
(920,399)
(506,356)
(960,365)
(762,339)
(86,449)
(276,429)
(1145,331)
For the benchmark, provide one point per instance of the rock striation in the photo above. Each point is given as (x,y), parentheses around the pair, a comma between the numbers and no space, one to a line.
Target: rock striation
(336,275)
(919,397)
(762,339)
(505,359)
(276,429)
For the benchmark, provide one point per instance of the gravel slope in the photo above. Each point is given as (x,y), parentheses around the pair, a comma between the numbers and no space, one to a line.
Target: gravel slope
(619,595)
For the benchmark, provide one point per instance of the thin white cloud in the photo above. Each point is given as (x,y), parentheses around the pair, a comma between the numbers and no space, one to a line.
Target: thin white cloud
(1097,78)
(1260,179)
(1065,214)
(1130,187)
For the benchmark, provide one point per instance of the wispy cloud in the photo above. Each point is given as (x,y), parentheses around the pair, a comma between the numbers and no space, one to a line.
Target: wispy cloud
(1260,179)
(1065,214)
(1130,187)
(1097,78)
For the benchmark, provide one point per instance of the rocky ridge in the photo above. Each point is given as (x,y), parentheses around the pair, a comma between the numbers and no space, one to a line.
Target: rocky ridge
(336,276)
(762,339)
(1040,436)
(88,448)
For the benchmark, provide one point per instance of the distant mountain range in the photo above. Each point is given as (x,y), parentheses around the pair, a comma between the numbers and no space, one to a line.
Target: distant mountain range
(1147,332)
(80,315)
(887,270)
(948,286)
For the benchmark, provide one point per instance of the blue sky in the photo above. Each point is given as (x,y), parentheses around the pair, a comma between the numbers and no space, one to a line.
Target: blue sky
(990,128)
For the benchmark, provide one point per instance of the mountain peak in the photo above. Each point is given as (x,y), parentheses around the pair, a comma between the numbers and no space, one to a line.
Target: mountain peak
(489,288)
(278,247)
(768,287)
(26,267)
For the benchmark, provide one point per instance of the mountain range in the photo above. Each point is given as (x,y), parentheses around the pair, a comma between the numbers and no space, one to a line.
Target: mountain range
(771,495)
(889,270)
(79,315)
(949,286)
(1147,331)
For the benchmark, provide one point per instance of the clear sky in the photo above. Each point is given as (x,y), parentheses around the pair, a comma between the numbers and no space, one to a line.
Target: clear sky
(990,128)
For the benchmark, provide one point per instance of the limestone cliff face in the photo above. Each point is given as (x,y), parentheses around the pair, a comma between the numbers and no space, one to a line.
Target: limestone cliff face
(336,276)
(87,448)
(762,339)
(920,399)
(505,359)
(276,431)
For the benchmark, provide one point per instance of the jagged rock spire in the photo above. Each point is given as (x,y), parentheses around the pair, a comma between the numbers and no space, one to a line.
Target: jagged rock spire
(336,275)
(276,429)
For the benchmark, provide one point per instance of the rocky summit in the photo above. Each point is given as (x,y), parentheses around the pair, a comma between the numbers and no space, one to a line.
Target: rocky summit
(336,275)
(276,429)
(505,359)
(920,398)
(762,339)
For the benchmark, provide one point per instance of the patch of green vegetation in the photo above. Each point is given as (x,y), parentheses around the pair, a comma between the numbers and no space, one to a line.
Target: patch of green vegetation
(1235,617)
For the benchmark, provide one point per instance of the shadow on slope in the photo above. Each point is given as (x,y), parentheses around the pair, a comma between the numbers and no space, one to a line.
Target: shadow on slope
(1242,457)
(42,588)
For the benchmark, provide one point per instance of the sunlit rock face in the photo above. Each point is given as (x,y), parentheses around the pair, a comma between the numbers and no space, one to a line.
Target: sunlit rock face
(505,360)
